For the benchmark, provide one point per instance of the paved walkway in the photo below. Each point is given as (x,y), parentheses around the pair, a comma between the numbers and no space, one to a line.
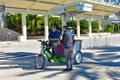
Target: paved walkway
(16,63)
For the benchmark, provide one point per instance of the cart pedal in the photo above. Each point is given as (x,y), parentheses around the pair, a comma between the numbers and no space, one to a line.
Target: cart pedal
(52,61)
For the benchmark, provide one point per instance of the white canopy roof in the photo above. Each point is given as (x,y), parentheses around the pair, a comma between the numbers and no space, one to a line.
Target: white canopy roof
(43,6)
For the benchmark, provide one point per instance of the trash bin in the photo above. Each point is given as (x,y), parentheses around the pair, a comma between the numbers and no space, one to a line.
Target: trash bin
(9,36)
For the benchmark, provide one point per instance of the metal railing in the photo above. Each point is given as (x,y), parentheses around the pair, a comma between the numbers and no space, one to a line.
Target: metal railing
(96,41)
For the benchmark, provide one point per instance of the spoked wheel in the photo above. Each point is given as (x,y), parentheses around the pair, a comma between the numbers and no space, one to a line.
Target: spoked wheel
(78,58)
(39,61)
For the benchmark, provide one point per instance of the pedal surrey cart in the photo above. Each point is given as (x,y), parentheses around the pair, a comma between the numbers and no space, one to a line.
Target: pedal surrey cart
(58,55)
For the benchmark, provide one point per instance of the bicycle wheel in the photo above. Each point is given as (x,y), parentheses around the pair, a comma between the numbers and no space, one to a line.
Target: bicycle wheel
(39,61)
(78,58)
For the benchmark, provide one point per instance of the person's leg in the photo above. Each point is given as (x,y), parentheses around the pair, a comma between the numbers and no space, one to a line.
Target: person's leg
(68,56)
(65,51)
(53,48)
(69,61)
(50,44)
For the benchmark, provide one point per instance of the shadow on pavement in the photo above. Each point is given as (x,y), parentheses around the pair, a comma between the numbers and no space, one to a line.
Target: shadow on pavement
(82,71)
(103,59)
(107,48)
(22,60)
(88,69)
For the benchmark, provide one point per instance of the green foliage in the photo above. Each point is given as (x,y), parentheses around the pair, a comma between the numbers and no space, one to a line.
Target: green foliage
(18,22)
(10,21)
(112,27)
(95,26)
(14,21)
(108,27)
(35,25)
(72,24)
(55,21)
(84,26)
(119,28)
(116,28)
(83,31)
(31,22)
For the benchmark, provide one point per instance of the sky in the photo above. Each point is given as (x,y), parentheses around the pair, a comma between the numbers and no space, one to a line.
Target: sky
(110,0)
(115,0)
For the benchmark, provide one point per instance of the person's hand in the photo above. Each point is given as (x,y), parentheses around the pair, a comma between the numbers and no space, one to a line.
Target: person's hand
(59,43)
(51,39)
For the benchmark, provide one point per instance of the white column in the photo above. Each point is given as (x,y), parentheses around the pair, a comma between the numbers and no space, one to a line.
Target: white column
(100,28)
(90,28)
(46,27)
(78,27)
(2,25)
(24,29)
(63,17)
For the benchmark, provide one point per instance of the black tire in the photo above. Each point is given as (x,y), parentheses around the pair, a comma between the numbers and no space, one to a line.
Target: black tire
(39,61)
(78,57)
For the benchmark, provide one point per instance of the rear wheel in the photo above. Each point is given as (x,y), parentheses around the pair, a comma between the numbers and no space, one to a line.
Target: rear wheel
(39,61)
(78,58)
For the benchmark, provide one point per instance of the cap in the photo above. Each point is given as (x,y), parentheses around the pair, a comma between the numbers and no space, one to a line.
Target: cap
(65,27)
(53,27)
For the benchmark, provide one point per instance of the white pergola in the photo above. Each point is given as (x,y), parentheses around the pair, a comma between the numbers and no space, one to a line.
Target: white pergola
(42,7)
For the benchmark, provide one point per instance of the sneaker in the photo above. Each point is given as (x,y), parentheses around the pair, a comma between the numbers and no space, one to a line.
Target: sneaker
(66,69)
(71,68)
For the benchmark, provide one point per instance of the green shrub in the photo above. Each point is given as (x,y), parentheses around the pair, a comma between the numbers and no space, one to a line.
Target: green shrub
(95,26)
(73,25)
(84,26)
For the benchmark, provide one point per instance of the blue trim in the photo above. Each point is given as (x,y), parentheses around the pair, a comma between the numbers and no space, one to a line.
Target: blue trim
(117,21)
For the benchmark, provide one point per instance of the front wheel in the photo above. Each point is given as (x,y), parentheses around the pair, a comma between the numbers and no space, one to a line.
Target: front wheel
(39,61)
(78,57)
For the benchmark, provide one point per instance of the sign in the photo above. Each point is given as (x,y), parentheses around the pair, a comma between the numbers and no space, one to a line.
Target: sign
(70,8)
(75,7)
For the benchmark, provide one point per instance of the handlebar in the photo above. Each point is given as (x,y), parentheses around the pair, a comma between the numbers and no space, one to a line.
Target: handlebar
(39,40)
(43,42)
(54,39)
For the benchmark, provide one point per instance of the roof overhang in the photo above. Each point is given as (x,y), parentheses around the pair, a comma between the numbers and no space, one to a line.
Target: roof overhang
(44,6)
(71,8)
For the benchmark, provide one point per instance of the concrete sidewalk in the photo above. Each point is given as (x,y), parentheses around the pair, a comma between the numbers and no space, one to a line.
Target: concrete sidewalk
(87,42)
(17,63)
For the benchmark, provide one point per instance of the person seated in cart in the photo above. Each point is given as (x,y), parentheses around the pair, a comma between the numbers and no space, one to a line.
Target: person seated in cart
(54,38)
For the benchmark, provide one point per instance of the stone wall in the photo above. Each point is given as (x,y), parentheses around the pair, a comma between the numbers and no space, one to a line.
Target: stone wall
(14,35)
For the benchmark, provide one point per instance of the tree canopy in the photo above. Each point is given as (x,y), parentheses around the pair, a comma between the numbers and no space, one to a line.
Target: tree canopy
(35,24)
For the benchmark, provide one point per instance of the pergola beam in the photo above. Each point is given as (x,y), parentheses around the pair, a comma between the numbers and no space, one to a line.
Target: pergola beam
(44,2)
(9,10)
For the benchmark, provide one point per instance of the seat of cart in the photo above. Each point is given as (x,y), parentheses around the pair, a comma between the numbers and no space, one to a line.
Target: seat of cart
(59,50)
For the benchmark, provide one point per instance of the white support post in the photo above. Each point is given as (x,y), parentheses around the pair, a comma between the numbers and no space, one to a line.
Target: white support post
(2,25)
(100,28)
(46,27)
(24,29)
(78,27)
(63,17)
(90,28)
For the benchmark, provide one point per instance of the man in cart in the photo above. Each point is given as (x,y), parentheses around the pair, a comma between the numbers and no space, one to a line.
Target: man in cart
(54,38)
